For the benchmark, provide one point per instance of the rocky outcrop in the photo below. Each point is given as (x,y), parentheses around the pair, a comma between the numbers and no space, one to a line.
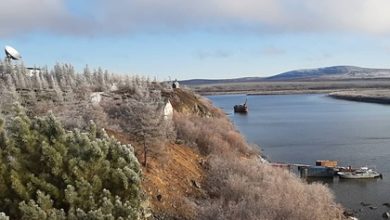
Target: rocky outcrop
(187,102)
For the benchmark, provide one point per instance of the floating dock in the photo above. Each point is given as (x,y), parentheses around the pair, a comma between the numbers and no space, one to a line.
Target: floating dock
(321,169)
(316,171)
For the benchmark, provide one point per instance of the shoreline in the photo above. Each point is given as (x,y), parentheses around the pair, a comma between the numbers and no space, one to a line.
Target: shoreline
(361,97)
(378,96)
(361,90)
(275,92)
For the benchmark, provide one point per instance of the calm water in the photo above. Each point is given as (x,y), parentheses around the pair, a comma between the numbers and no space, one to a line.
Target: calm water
(305,128)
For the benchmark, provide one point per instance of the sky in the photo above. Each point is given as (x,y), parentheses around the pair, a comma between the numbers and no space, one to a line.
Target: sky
(191,39)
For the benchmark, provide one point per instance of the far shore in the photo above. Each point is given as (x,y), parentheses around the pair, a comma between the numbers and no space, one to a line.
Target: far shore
(372,96)
(276,92)
(373,91)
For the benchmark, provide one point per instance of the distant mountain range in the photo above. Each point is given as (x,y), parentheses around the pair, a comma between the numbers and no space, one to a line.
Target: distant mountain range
(326,73)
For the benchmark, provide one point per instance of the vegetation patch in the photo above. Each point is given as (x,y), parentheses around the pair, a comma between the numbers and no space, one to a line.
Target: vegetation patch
(49,173)
(195,164)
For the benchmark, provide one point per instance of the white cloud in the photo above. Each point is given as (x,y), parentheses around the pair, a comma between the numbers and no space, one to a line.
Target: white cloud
(370,16)
(24,16)
(155,15)
(132,16)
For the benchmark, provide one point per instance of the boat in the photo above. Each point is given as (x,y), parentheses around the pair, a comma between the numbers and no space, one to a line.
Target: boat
(243,108)
(362,173)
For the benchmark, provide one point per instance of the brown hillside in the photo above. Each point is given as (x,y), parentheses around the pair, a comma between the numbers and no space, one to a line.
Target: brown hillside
(171,184)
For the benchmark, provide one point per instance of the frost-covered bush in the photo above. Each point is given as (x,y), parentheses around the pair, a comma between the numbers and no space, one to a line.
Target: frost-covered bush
(49,173)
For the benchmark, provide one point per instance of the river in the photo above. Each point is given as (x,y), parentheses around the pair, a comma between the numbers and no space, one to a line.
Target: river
(306,128)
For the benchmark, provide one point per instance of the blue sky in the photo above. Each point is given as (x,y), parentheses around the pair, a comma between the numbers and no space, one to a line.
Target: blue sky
(199,39)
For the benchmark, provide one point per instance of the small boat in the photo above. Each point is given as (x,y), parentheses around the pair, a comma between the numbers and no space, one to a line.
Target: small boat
(241,108)
(362,173)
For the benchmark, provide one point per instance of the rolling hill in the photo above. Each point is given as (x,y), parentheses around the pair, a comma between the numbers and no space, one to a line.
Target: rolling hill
(326,73)
(334,72)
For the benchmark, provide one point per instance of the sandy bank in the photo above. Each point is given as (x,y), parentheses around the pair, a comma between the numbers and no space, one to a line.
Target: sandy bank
(381,96)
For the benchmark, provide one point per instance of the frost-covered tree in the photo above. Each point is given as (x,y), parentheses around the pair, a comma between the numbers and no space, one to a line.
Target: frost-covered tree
(49,173)
(143,120)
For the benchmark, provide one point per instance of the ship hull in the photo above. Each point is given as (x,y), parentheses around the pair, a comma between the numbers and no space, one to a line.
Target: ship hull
(346,175)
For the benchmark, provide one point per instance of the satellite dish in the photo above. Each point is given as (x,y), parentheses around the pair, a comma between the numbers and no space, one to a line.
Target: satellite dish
(12,53)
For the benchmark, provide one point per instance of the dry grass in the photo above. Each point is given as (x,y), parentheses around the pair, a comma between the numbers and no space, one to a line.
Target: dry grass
(240,186)
(246,189)
(211,135)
